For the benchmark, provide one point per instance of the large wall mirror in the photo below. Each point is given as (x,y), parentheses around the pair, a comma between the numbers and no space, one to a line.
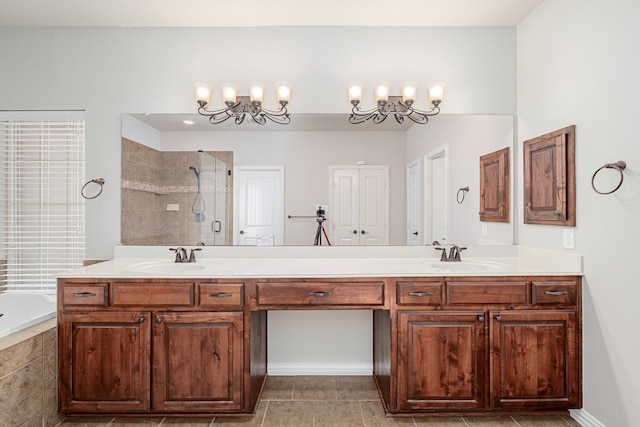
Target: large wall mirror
(179,183)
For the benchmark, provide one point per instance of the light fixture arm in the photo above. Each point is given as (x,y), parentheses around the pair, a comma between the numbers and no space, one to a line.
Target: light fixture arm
(395,107)
(245,108)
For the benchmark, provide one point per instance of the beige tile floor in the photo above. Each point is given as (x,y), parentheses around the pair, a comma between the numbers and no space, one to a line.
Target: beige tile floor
(327,401)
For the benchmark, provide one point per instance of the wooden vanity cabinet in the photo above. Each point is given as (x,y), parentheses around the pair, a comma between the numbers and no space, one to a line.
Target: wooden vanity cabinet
(156,347)
(492,344)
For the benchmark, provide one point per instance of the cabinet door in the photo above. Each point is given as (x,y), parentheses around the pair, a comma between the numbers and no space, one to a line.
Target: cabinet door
(549,179)
(104,361)
(441,360)
(197,362)
(534,360)
(494,186)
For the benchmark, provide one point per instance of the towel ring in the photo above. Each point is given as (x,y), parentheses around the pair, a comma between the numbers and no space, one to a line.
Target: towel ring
(619,166)
(99,181)
(464,191)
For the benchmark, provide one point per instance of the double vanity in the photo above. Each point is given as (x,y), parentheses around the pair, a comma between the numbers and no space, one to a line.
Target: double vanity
(499,331)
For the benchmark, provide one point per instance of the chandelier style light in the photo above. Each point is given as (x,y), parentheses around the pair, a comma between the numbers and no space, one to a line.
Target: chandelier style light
(241,107)
(397,106)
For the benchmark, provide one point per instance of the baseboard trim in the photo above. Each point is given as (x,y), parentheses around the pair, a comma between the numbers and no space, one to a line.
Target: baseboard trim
(584,418)
(290,369)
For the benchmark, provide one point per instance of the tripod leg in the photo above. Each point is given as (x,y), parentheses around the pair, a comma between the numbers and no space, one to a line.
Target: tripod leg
(318,240)
(325,236)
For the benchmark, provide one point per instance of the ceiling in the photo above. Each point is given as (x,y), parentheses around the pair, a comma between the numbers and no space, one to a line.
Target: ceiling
(217,13)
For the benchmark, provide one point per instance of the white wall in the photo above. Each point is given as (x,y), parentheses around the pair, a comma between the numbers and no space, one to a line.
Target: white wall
(109,71)
(578,63)
(467,137)
(306,157)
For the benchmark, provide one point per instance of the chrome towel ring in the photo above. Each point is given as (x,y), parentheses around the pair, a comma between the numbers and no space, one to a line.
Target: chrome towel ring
(619,166)
(99,181)
(464,191)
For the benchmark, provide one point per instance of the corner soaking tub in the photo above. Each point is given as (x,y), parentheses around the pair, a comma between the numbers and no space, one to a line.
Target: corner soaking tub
(19,310)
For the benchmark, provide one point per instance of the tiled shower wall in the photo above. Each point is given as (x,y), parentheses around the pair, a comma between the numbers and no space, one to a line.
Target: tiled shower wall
(28,381)
(153,179)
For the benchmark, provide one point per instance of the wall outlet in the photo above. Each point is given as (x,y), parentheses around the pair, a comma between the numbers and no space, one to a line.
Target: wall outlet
(174,207)
(483,229)
(568,238)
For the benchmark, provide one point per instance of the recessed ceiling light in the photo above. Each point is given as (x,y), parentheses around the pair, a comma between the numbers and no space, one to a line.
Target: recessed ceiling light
(188,122)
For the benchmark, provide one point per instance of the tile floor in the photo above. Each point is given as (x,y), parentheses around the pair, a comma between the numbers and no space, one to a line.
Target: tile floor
(327,401)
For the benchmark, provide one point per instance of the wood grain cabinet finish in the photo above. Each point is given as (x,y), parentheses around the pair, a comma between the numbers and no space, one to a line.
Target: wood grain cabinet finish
(535,359)
(104,361)
(153,349)
(495,186)
(493,344)
(209,379)
(441,360)
(550,179)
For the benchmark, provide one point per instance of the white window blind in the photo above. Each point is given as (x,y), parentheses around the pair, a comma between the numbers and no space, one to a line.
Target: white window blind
(41,208)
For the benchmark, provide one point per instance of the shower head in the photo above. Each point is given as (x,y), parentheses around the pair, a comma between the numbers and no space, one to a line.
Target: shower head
(193,168)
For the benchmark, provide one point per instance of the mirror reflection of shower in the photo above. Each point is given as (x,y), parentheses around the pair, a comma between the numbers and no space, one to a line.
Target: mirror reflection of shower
(209,204)
(199,211)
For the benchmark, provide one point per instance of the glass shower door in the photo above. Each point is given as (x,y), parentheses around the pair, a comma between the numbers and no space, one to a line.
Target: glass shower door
(213,204)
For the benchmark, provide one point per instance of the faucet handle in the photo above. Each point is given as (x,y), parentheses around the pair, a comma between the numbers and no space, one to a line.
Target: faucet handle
(192,255)
(443,257)
(181,254)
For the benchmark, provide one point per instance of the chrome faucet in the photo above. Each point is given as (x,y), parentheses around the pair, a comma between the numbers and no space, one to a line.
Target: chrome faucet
(181,254)
(454,253)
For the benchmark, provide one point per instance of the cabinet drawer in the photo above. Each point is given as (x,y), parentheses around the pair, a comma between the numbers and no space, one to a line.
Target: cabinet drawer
(85,295)
(487,292)
(152,294)
(549,292)
(320,293)
(221,294)
(420,293)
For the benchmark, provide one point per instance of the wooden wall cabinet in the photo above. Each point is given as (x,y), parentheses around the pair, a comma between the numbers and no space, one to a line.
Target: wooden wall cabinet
(550,179)
(495,193)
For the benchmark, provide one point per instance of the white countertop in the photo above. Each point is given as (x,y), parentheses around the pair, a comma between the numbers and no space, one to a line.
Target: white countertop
(329,261)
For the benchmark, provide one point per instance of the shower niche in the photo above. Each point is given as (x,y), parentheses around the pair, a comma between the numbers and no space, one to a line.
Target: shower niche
(175,197)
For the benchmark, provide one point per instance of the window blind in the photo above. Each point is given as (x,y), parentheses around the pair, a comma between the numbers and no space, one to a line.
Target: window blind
(41,209)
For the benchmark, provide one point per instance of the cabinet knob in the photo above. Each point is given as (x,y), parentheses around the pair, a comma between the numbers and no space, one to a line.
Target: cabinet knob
(499,318)
(481,319)
(158,321)
(415,233)
(141,320)
(216,355)
(355,231)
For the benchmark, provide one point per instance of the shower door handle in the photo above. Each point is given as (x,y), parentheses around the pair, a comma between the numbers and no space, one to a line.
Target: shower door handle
(216,226)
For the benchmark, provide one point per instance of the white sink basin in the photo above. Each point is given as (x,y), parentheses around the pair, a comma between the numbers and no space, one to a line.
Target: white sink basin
(169,267)
(467,266)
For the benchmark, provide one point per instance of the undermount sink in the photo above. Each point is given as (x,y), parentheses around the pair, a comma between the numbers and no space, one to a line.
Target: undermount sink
(467,266)
(169,267)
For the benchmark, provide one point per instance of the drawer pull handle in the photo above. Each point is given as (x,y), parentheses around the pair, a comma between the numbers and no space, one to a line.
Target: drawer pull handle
(320,294)
(556,293)
(84,295)
(420,294)
(227,295)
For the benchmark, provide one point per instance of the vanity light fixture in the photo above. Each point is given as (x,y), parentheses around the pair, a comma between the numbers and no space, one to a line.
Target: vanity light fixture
(397,106)
(241,107)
